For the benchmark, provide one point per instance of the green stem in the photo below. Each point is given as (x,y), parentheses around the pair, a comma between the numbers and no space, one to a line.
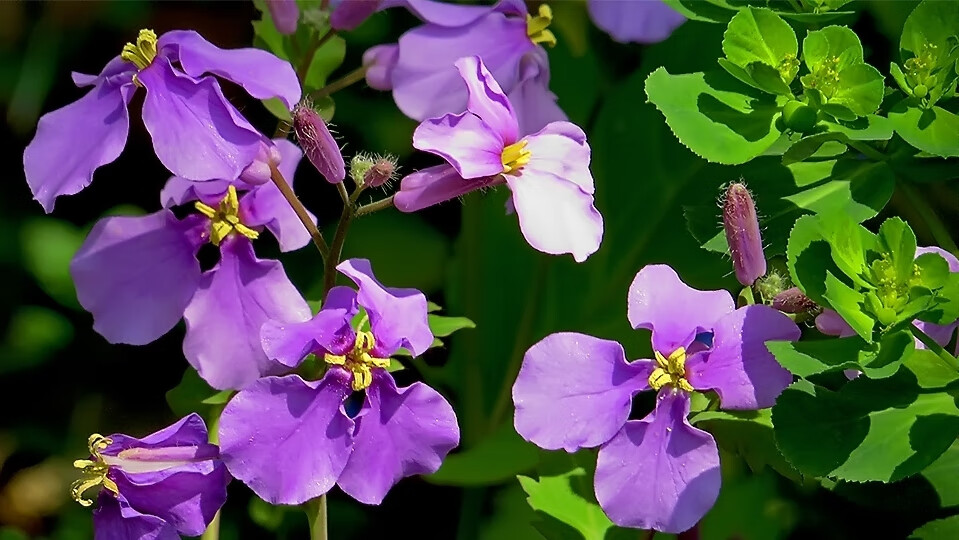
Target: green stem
(316,514)
(868,151)
(299,210)
(350,78)
(931,344)
(936,226)
(344,196)
(336,248)
(368,209)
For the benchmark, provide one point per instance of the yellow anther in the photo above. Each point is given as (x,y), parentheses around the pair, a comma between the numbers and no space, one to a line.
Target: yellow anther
(142,53)
(671,371)
(359,361)
(537,27)
(93,472)
(226,218)
(515,156)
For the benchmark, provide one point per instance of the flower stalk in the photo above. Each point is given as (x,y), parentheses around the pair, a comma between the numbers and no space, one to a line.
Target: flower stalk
(300,211)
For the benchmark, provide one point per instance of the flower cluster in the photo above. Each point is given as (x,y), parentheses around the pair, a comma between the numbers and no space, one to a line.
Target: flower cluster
(575,391)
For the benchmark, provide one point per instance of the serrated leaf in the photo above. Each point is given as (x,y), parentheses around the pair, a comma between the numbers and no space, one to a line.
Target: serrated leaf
(714,115)
(759,35)
(897,239)
(830,42)
(931,22)
(881,429)
(930,371)
(940,529)
(497,459)
(849,304)
(748,434)
(848,242)
(808,258)
(878,360)
(930,130)
(866,128)
(861,89)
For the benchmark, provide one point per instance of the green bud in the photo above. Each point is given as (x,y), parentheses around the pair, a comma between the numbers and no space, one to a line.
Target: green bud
(920,91)
(799,117)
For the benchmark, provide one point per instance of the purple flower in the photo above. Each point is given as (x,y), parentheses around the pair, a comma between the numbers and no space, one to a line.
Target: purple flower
(547,172)
(285,15)
(505,36)
(635,21)
(290,439)
(161,486)
(197,133)
(742,234)
(575,391)
(831,323)
(139,275)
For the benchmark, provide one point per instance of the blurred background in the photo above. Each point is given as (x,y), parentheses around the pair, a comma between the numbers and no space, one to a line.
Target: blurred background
(60,381)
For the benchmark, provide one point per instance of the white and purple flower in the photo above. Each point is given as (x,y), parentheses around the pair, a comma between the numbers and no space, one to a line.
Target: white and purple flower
(547,172)
(197,134)
(161,486)
(140,275)
(575,391)
(303,424)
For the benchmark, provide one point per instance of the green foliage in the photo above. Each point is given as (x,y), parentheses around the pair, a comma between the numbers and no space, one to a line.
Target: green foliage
(748,434)
(940,529)
(498,458)
(48,245)
(193,394)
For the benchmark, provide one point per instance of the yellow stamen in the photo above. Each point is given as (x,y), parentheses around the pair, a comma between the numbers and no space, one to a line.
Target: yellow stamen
(93,472)
(226,218)
(536,27)
(515,156)
(359,361)
(143,52)
(671,371)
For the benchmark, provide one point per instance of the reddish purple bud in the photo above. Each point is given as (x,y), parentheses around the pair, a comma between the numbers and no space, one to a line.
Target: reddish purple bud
(285,15)
(793,301)
(318,143)
(742,234)
(380,173)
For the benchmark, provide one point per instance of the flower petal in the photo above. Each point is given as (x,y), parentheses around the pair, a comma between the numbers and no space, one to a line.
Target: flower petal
(197,133)
(638,21)
(188,431)
(265,205)
(487,100)
(425,84)
(290,343)
(441,13)
(397,316)
(738,365)
(73,141)
(118,71)
(136,275)
(437,184)
(659,301)
(379,62)
(290,421)
(560,148)
(575,391)
(259,72)
(534,103)
(659,472)
(178,191)
(473,148)
(399,433)
(234,299)
(555,215)
(113,519)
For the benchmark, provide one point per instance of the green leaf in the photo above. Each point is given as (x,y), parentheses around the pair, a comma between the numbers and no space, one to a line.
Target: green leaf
(848,242)
(931,22)
(930,371)
(897,239)
(849,304)
(748,434)
(193,394)
(565,499)
(866,128)
(940,529)
(808,258)
(877,361)
(838,42)
(715,115)
(861,89)
(930,130)
(943,474)
(759,35)
(497,459)
(881,429)
(442,326)
(48,246)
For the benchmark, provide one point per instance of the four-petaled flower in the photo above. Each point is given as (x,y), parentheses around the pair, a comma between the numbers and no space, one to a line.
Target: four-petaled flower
(290,440)
(161,486)
(547,172)
(196,132)
(139,275)
(575,391)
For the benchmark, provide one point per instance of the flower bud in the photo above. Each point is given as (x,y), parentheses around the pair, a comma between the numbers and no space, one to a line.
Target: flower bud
(258,172)
(793,301)
(318,143)
(372,170)
(349,14)
(742,234)
(799,116)
(285,15)
(379,62)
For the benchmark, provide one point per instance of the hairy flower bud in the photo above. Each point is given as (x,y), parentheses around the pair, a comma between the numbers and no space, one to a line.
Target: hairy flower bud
(372,170)
(742,234)
(793,301)
(318,143)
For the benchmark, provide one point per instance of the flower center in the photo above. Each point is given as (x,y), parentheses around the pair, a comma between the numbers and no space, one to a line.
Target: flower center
(671,371)
(225,219)
(93,473)
(515,156)
(825,77)
(143,52)
(537,27)
(359,361)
